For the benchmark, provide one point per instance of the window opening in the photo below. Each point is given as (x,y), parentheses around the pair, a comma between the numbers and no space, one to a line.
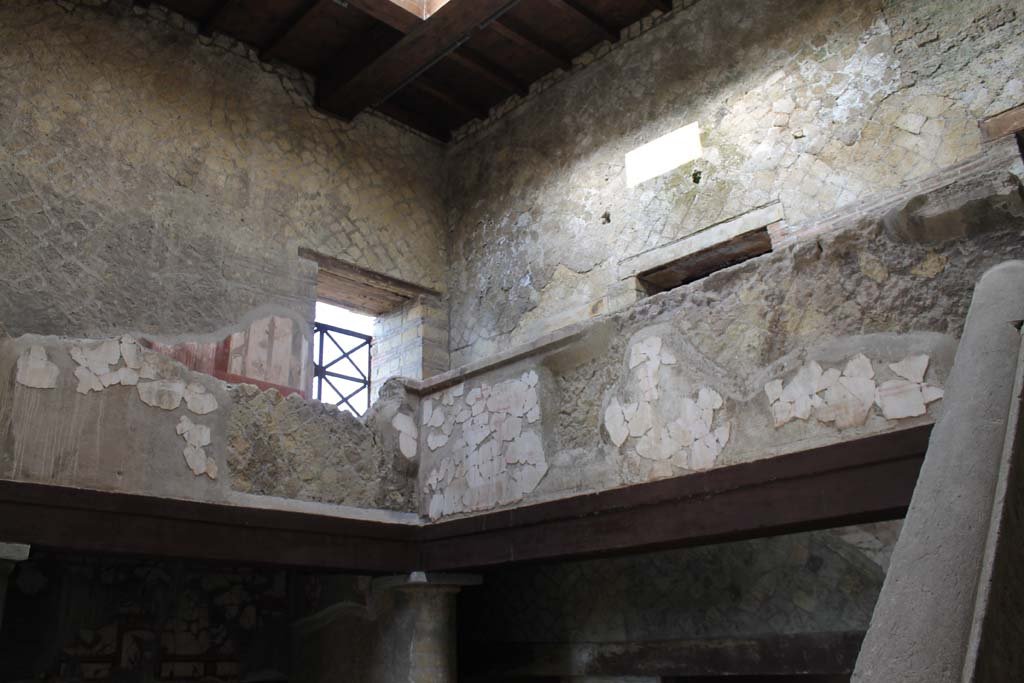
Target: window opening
(342,339)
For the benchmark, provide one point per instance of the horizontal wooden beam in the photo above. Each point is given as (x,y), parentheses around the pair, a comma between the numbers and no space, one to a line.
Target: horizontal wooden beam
(867,480)
(388,13)
(425,85)
(771,655)
(532,44)
(269,51)
(481,66)
(120,523)
(663,5)
(610,32)
(415,53)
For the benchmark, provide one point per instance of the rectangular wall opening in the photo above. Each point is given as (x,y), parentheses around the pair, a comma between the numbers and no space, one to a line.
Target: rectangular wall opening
(342,359)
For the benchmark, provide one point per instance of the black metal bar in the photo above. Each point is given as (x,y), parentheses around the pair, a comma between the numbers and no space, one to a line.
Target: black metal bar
(321,373)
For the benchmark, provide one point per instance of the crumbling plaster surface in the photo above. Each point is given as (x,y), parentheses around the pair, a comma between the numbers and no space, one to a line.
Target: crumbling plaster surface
(111,415)
(823,341)
(818,105)
(156,180)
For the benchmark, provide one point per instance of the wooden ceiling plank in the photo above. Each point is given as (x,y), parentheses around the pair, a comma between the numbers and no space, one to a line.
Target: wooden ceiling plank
(209,22)
(471,61)
(610,32)
(287,27)
(664,5)
(420,49)
(464,107)
(414,119)
(388,13)
(531,43)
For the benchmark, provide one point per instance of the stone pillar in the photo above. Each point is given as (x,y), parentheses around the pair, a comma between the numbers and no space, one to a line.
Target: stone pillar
(422,625)
(922,625)
(10,554)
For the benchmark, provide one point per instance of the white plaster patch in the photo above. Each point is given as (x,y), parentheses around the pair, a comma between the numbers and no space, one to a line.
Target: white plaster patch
(35,369)
(197,437)
(487,454)
(845,398)
(615,422)
(162,393)
(408,435)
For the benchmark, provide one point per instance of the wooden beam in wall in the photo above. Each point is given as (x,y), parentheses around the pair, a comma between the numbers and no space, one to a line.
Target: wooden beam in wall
(867,480)
(120,523)
(286,28)
(415,53)
(610,32)
(771,655)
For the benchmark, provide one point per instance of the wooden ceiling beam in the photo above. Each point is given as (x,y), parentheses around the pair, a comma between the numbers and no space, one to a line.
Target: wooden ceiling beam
(388,13)
(464,107)
(471,61)
(281,34)
(610,32)
(212,17)
(664,5)
(420,49)
(531,43)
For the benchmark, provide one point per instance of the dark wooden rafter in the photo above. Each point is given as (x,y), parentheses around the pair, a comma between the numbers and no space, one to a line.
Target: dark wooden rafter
(532,43)
(610,32)
(420,49)
(287,27)
(447,99)
(481,66)
(467,59)
(663,5)
(213,15)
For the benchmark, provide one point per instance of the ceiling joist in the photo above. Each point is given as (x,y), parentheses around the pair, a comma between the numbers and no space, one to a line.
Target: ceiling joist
(213,16)
(610,33)
(531,43)
(420,49)
(287,27)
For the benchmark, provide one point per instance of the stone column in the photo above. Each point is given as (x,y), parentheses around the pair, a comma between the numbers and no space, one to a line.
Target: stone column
(922,625)
(421,633)
(10,554)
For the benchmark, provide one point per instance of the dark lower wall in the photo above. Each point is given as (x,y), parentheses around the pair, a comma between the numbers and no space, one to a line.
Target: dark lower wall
(73,618)
(156,181)
(804,584)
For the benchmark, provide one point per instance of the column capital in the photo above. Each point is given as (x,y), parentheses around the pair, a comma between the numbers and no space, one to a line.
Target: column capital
(14,552)
(426,581)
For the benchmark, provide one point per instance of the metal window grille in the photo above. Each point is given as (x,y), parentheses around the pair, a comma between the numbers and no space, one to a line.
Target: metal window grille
(337,370)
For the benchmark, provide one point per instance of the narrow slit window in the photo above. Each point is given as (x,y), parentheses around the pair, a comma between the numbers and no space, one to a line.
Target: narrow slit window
(342,340)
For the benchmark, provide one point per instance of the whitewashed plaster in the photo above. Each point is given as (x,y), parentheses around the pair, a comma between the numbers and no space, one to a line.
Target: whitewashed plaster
(845,397)
(488,445)
(663,418)
(35,369)
(123,361)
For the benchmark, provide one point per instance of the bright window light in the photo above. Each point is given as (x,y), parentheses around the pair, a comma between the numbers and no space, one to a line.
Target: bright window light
(663,155)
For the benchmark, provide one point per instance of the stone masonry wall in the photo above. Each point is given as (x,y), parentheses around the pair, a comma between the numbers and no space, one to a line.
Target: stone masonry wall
(156,181)
(817,105)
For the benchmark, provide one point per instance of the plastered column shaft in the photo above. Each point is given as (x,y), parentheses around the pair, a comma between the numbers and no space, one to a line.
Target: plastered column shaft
(432,651)
(922,622)
(10,555)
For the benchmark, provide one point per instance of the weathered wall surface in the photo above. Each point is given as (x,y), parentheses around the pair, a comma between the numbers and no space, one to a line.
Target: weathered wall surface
(817,105)
(155,181)
(111,415)
(823,341)
(804,583)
